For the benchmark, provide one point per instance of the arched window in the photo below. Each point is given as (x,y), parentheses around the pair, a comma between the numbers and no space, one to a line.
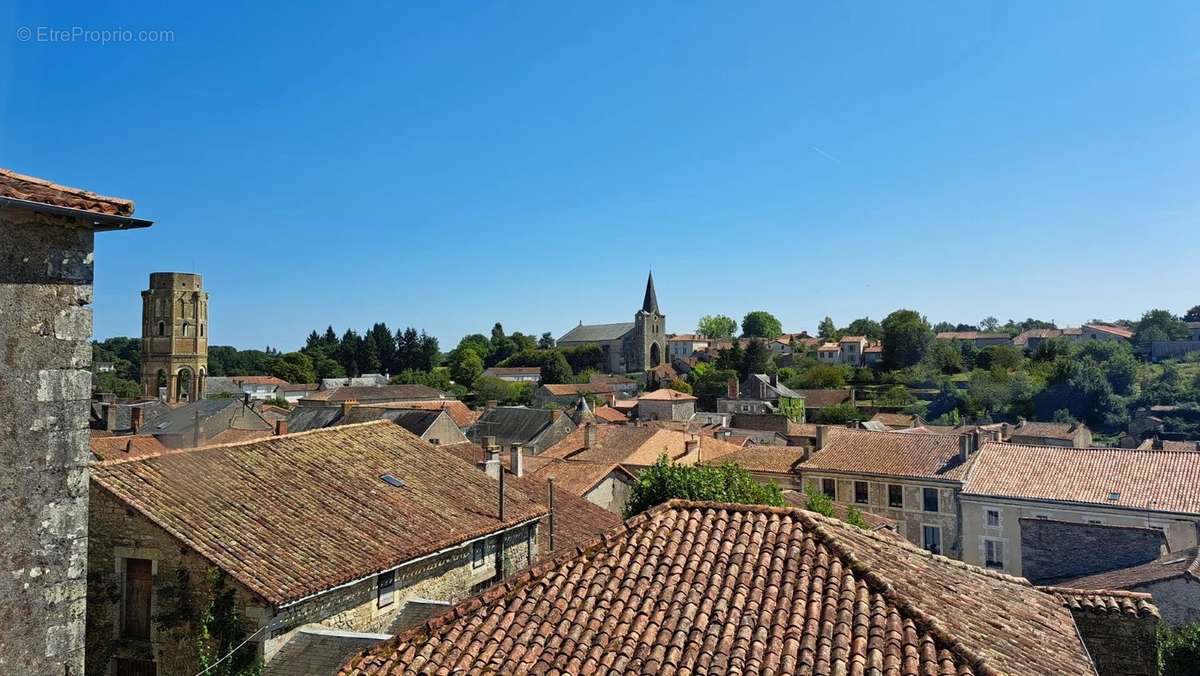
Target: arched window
(186,329)
(162,329)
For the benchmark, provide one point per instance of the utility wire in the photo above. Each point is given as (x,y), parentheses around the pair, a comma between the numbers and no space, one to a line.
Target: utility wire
(231,652)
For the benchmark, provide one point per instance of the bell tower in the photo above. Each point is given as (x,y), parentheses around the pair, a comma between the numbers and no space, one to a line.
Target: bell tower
(650,331)
(174,337)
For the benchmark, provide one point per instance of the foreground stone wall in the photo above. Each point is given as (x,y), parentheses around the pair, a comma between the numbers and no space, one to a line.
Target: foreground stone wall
(45,323)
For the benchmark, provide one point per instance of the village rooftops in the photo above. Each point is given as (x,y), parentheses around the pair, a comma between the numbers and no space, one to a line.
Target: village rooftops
(764,458)
(569,389)
(462,414)
(718,588)
(1048,430)
(375,394)
(666,394)
(822,398)
(971,335)
(596,333)
(1183,563)
(1119,331)
(1143,480)
(917,456)
(277,514)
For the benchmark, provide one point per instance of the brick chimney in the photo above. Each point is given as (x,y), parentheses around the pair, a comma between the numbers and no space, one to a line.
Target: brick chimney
(589,435)
(691,445)
(516,460)
(348,406)
(731,388)
(280,428)
(555,414)
(965,446)
(137,417)
(822,436)
(110,415)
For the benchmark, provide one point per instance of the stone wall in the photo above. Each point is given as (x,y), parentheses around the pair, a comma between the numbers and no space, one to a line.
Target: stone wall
(1178,600)
(45,323)
(1119,645)
(1051,550)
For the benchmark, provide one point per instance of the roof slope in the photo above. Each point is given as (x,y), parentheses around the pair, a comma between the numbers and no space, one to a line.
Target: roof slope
(922,456)
(373,393)
(764,458)
(1140,479)
(131,446)
(33,189)
(1185,562)
(513,424)
(841,511)
(650,301)
(461,413)
(294,515)
(823,398)
(596,333)
(713,588)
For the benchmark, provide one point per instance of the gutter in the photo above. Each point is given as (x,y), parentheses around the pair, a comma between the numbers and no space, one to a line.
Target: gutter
(98,221)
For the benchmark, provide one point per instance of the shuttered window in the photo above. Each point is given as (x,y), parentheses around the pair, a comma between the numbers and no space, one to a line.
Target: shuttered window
(138,583)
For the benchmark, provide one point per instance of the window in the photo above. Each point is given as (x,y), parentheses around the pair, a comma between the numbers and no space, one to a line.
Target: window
(201,330)
(993,554)
(993,518)
(186,329)
(162,329)
(139,579)
(132,667)
(895,496)
(385,586)
(477,554)
(829,487)
(1095,522)
(931,537)
(930,496)
(862,492)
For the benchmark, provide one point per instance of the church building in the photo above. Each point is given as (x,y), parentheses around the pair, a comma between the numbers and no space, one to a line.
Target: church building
(628,347)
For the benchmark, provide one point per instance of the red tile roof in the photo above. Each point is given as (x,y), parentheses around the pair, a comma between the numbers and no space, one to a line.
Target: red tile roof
(769,459)
(666,394)
(714,588)
(1165,481)
(462,414)
(1105,602)
(369,393)
(259,380)
(920,456)
(294,515)
(33,189)
(823,398)
(1115,330)
(1047,430)
(136,446)
(610,414)
(900,420)
(569,389)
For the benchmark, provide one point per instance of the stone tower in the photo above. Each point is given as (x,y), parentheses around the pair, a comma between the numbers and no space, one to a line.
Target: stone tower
(174,336)
(650,332)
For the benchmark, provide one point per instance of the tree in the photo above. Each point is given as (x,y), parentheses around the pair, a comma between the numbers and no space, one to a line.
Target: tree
(666,480)
(731,359)
(585,358)
(896,395)
(906,336)
(819,377)
(505,393)
(546,342)
(1002,356)
(1158,325)
(347,352)
(1179,650)
(757,359)
(679,386)
(839,414)
(466,367)
(864,327)
(989,324)
(944,356)
(827,330)
(385,346)
(709,384)
(294,367)
(716,327)
(555,368)
(1192,315)
(761,324)
(109,381)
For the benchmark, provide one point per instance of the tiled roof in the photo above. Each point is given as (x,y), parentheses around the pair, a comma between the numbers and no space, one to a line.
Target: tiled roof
(1137,479)
(462,414)
(610,379)
(1105,602)
(895,419)
(235,436)
(841,511)
(596,333)
(569,389)
(1182,563)
(686,338)
(293,515)
(829,347)
(1048,430)
(259,380)
(773,459)
(922,456)
(372,393)
(713,588)
(576,520)
(873,348)
(853,339)
(1024,336)
(33,189)
(666,394)
(610,414)
(137,446)
(970,335)
(513,371)
(1115,330)
(823,398)
(638,445)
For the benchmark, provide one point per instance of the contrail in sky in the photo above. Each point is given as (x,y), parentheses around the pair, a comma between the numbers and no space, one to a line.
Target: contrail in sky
(826,155)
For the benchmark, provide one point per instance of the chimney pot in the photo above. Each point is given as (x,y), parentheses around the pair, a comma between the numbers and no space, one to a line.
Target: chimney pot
(110,415)
(489,442)
(492,403)
(281,427)
(516,460)
(732,388)
(491,461)
(806,454)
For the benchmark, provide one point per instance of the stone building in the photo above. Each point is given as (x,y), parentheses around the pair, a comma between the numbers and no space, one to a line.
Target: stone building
(666,404)
(358,528)
(46,267)
(628,347)
(174,336)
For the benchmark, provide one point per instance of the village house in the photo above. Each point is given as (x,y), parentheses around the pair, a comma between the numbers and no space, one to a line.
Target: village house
(762,394)
(432,425)
(979,339)
(113,416)
(209,421)
(515,374)
(666,404)
(815,400)
(371,394)
(566,395)
(357,528)
(913,479)
(534,429)
(1103,486)
(684,345)
(677,559)
(1172,580)
(1048,434)
(873,355)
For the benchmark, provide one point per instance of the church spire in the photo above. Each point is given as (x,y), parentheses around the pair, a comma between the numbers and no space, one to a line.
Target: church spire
(650,304)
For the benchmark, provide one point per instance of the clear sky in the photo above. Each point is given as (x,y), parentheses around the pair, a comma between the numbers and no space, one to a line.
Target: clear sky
(448,165)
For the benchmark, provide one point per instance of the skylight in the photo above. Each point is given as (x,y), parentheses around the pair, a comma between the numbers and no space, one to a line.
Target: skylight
(1114,496)
(392,480)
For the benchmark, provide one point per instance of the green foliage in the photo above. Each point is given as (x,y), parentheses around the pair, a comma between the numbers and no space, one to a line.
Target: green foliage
(819,377)
(757,359)
(820,503)
(125,354)
(679,386)
(709,384)
(855,518)
(866,326)
(1192,315)
(1158,325)
(906,336)
(761,324)
(896,395)
(944,356)
(209,619)
(438,378)
(999,356)
(466,367)
(110,382)
(546,341)
(1179,650)
(839,414)
(224,360)
(827,330)
(586,357)
(506,393)
(294,367)
(716,327)
(666,480)
(552,362)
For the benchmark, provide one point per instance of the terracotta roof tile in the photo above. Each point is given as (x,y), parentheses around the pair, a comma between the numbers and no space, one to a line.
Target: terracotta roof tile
(1182,563)
(774,459)
(33,189)
(136,446)
(610,414)
(293,515)
(926,456)
(461,413)
(1048,430)
(368,393)
(1105,602)
(569,389)
(666,394)
(823,398)
(1136,479)
(712,588)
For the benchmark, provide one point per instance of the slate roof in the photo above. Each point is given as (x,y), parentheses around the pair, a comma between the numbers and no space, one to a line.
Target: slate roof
(317,649)
(214,385)
(294,515)
(461,413)
(918,456)
(416,421)
(151,409)
(513,424)
(372,393)
(780,389)
(1164,481)
(181,420)
(596,333)
(716,588)
(304,418)
(1182,563)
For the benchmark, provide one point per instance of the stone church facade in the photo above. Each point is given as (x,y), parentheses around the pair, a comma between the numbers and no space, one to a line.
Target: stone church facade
(174,336)
(628,347)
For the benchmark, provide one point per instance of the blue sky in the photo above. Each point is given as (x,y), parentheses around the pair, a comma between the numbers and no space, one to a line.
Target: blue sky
(448,165)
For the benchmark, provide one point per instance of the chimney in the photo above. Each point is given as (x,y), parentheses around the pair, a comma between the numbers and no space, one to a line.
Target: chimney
(822,436)
(516,460)
(491,458)
(555,414)
(196,429)
(691,446)
(129,449)
(964,447)
(492,403)
(280,428)
(731,388)
(137,416)
(977,439)
(110,415)
(348,406)
(806,453)
(589,435)
(1005,431)
(550,504)
(775,379)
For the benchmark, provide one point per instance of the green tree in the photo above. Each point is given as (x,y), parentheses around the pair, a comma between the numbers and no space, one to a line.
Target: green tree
(989,324)
(666,480)
(546,342)
(294,367)
(466,367)
(820,503)
(944,356)
(906,336)
(1002,356)
(1158,325)
(855,518)
(839,414)
(761,324)
(716,327)
(1192,315)
(1179,650)
(757,359)
(896,395)
(864,327)
(679,386)
(827,330)
(555,368)
(819,377)
(487,388)
(110,382)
